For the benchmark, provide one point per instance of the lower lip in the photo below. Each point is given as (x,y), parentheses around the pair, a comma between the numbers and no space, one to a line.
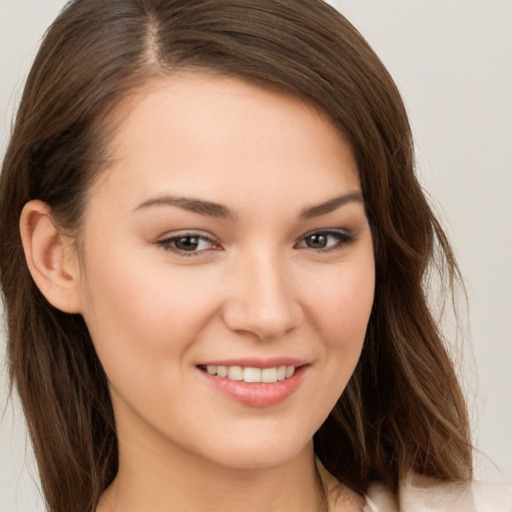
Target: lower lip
(257,394)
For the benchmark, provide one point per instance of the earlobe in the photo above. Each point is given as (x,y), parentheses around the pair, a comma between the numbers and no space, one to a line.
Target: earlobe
(51,257)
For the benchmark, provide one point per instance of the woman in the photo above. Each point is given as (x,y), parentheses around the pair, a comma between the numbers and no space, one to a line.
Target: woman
(222,304)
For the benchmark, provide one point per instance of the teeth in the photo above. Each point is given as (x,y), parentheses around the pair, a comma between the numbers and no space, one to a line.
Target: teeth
(252,375)
(249,374)
(235,372)
(269,375)
(222,371)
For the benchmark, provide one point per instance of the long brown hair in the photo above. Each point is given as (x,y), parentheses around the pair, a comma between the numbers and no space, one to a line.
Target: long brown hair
(402,409)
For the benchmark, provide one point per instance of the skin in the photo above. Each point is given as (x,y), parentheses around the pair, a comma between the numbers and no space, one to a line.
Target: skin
(256,286)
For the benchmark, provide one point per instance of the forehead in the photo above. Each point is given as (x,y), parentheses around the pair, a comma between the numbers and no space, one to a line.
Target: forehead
(201,134)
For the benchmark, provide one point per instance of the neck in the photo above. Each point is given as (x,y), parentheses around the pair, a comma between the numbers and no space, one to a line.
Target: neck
(168,480)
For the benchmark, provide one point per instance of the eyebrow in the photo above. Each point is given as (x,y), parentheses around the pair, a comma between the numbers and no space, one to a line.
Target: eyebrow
(331,205)
(212,209)
(200,206)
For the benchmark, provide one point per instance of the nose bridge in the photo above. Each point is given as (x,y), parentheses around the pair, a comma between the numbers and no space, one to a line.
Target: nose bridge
(262,300)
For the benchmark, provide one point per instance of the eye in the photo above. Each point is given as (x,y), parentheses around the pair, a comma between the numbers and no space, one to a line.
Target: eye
(326,240)
(188,244)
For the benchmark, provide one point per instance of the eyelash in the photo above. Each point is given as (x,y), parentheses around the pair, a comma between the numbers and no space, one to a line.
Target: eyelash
(168,244)
(342,239)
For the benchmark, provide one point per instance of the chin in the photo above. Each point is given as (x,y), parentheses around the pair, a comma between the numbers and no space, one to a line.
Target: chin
(259,453)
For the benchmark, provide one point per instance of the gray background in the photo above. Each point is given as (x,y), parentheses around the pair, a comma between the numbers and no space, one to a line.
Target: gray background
(452,60)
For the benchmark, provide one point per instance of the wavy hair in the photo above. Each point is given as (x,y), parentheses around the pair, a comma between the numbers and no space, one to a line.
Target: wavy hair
(403,409)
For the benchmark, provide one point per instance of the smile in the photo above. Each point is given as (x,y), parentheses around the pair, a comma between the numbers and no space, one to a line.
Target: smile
(250,374)
(255,383)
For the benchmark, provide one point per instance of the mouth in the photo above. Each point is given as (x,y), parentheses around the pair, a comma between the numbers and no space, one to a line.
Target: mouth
(255,383)
(251,374)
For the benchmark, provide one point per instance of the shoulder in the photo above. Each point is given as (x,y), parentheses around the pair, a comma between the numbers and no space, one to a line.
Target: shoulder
(421,494)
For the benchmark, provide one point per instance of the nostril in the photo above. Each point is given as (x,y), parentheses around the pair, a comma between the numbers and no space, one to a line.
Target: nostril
(264,307)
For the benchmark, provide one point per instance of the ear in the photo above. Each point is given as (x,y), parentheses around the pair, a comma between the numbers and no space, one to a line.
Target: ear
(51,257)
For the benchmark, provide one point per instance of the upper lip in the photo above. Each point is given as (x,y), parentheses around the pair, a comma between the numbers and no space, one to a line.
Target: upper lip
(255,362)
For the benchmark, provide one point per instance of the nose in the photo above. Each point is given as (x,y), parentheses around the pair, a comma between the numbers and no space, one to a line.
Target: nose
(261,299)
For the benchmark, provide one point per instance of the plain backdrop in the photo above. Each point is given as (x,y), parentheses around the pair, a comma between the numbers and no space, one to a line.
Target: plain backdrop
(452,60)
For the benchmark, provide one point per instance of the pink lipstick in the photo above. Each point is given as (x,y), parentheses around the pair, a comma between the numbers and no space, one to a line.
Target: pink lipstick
(255,382)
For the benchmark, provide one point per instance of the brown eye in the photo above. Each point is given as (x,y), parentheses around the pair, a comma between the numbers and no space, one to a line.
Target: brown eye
(326,240)
(317,241)
(188,244)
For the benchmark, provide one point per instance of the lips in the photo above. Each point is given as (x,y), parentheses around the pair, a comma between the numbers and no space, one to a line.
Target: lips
(255,383)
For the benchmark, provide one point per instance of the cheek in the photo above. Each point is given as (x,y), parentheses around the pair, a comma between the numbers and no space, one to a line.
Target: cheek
(341,317)
(339,311)
(143,310)
(342,306)
(143,319)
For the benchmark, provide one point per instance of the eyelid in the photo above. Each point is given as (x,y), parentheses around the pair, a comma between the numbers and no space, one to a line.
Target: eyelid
(345,237)
(166,241)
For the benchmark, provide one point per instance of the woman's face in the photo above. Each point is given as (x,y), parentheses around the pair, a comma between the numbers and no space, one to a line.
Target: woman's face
(229,237)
